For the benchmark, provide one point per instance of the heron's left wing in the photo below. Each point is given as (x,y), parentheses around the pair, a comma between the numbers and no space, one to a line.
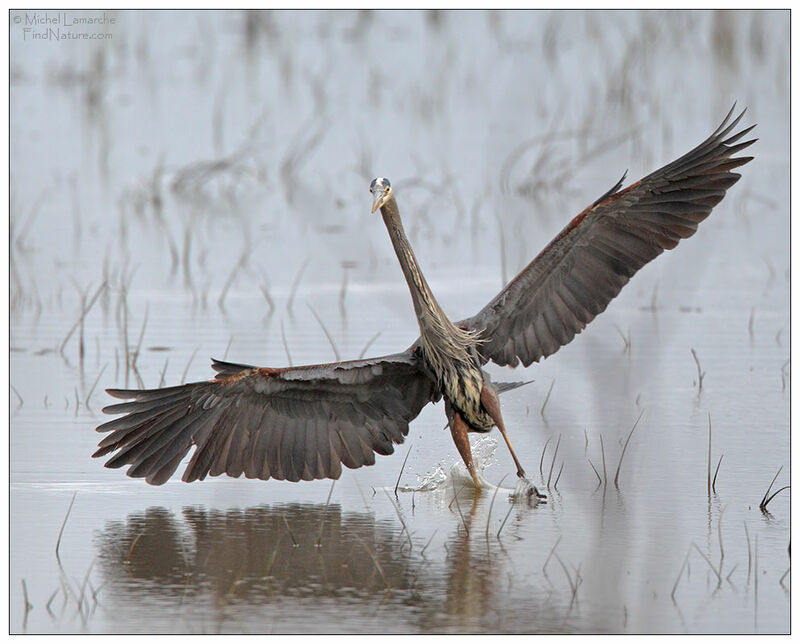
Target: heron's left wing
(292,423)
(585,266)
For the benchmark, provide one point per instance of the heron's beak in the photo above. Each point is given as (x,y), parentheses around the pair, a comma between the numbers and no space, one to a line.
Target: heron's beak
(377,200)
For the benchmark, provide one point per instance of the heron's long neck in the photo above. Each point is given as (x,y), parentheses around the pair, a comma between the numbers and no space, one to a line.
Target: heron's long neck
(441,339)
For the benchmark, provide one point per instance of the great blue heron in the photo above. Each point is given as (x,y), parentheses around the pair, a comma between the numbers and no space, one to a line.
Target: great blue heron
(305,422)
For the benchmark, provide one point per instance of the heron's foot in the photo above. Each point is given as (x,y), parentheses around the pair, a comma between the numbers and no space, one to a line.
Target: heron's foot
(538,496)
(475,480)
(526,490)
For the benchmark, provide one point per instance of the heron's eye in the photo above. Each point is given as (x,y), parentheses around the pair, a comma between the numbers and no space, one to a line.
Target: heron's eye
(386,189)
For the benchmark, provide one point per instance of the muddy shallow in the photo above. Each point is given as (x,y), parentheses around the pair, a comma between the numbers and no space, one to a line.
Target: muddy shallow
(223,195)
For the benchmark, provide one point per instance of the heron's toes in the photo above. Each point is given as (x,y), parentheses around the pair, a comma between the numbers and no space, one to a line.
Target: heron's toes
(536,496)
(527,491)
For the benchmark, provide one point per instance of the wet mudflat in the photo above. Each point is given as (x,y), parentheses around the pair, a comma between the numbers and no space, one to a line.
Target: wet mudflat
(215,205)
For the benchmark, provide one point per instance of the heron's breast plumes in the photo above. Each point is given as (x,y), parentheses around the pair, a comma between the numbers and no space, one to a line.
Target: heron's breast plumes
(450,354)
(462,388)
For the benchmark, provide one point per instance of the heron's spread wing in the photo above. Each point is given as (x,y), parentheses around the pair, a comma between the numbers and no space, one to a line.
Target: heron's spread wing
(294,423)
(585,266)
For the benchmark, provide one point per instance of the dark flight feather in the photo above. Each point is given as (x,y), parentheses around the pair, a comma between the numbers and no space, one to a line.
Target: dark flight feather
(295,423)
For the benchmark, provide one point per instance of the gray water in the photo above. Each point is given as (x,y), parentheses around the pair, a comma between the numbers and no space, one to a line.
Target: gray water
(206,174)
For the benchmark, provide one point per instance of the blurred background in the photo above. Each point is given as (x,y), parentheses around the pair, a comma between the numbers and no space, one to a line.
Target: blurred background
(193,184)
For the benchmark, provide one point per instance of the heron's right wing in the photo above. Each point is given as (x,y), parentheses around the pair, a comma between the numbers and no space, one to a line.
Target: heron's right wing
(293,423)
(585,266)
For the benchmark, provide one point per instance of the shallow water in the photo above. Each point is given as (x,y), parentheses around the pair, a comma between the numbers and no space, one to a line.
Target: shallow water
(107,184)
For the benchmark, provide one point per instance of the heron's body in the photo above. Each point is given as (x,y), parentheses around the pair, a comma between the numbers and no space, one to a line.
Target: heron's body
(449,353)
(306,422)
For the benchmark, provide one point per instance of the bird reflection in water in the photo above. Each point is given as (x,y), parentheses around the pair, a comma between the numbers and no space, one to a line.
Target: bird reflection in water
(469,568)
(235,570)
(261,551)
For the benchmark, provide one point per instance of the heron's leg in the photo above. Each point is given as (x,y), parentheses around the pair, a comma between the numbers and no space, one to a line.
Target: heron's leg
(492,406)
(459,429)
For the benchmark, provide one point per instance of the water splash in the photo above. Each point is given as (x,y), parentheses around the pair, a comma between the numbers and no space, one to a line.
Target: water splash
(453,471)
(452,474)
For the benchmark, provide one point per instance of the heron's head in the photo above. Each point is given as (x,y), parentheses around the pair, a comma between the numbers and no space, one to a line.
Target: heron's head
(381,191)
